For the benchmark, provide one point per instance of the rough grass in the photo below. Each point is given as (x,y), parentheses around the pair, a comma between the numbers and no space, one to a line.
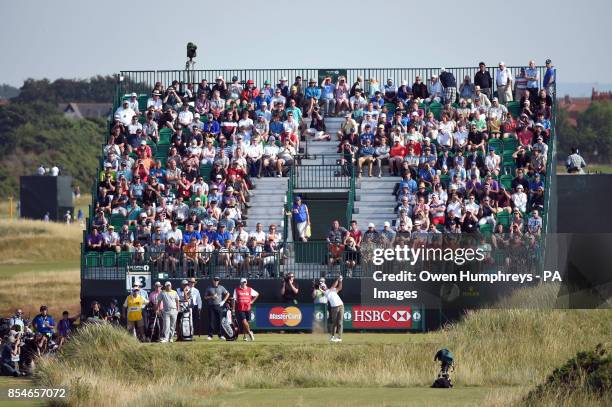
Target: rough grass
(32,241)
(59,289)
(494,348)
(39,264)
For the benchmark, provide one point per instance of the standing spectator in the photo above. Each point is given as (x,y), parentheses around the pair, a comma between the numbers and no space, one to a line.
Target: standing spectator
(549,78)
(450,85)
(169,305)
(301,218)
(196,304)
(533,79)
(215,295)
(483,79)
(289,289)
(244,297)
(337,308)
(132,311)
(503,80)
(575,163)
(328,101)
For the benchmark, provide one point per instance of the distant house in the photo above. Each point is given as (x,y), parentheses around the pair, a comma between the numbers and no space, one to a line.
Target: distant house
(79,111)
(4,102)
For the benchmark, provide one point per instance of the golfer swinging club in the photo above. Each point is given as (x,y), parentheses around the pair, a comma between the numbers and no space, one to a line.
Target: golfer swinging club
(337,308)
(244,297)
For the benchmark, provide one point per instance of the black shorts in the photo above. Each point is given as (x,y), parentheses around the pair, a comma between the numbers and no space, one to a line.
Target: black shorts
(243,315)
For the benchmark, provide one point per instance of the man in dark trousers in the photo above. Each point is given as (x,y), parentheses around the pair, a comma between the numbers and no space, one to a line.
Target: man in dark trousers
(483,79)
(215,296)
(450,85)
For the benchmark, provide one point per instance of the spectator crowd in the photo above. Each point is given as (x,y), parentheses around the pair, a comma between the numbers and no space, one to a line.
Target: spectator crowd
(179,167)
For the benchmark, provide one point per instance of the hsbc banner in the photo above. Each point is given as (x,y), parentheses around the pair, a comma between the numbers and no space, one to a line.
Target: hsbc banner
(383,317)
(283,317)
(357,317)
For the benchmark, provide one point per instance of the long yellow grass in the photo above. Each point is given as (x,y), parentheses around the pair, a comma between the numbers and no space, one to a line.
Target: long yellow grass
(58,289)
(29,241)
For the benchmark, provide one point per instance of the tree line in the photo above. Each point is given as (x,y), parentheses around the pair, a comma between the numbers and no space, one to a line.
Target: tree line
(592,134)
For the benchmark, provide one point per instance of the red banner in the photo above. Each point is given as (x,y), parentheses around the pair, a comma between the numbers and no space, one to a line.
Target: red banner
(381,317)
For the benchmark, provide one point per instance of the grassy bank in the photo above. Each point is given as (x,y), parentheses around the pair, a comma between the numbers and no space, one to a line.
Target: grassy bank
(502,351)
(39,264)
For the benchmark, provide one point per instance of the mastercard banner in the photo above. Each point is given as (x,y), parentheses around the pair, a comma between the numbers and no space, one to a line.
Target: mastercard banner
(283,316)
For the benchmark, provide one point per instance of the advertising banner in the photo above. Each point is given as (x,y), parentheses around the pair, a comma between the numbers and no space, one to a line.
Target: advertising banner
(357,317)
(283,317)
(382,317)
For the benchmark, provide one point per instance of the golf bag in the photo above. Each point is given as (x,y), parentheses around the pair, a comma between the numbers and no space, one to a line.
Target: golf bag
(444,381)
(154,330)
(229,325)
(185,323)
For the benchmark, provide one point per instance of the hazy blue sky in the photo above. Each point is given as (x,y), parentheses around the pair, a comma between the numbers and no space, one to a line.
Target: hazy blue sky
(76,38)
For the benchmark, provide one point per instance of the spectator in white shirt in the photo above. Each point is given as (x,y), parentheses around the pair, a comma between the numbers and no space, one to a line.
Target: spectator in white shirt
(133,102)
(503,80)
(435,90)
(492,161)
(185,117)
(124,113)
(519,198)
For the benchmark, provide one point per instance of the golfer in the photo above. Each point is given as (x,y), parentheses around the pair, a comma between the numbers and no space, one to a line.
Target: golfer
(169,305)
(244,297)
(337,308)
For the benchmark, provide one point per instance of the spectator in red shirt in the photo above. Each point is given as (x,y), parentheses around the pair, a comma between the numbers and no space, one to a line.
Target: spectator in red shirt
(397,153)
(525,137)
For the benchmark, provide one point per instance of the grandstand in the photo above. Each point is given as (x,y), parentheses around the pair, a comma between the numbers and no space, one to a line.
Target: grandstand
(192,155)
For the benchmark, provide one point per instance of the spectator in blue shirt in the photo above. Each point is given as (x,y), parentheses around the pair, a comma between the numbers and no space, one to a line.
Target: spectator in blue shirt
(211,126)
(366,155)
(312,93)
(366,135)
(276,126)
(535,183)
(549,78)
(189,233)
(328,102)
(221,236)
(44,322)
(409,182)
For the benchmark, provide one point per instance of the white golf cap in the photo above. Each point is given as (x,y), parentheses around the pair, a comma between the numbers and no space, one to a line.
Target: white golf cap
(243,280)
(387,224)
(134,94)
(371,225)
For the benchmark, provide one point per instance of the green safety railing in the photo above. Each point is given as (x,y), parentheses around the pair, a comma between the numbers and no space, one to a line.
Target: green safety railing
(110,265)
(321,177)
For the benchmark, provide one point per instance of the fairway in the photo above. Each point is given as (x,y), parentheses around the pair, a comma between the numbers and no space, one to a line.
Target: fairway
(356,397)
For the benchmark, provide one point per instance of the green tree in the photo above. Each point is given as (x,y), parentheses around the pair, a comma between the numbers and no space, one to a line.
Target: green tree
(36,133)
(592,133)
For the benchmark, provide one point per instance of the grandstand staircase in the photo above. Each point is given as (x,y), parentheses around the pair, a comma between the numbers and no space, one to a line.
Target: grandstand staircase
(374,201)
(267,203)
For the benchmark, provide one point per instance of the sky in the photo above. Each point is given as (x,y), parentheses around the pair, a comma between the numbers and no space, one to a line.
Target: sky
(78,39)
